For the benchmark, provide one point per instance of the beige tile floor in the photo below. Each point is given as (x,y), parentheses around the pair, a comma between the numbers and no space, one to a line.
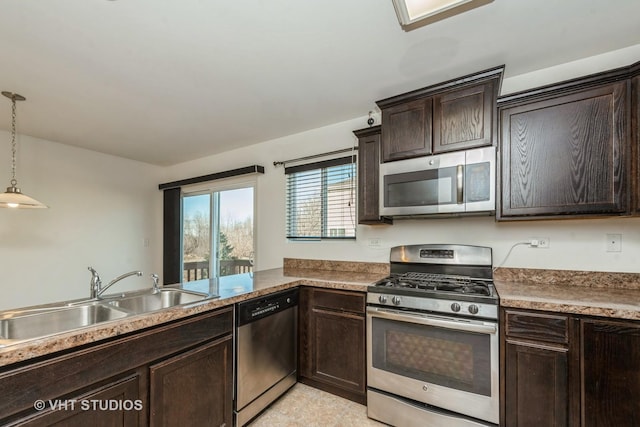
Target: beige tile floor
(304,406)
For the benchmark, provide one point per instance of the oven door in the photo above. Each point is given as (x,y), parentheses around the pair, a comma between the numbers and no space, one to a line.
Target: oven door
(450,363)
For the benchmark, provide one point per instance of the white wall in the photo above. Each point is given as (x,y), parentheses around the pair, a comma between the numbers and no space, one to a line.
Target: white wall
(101,209)
(575,244)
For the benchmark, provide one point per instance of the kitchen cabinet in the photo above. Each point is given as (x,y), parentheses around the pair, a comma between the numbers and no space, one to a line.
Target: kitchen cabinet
(182,387)
(368,176)
(635,130)
(465,118)
(535,372)
(138,367)
(332,342)
(407,130)
(565,150)
(610,382)
(454,115)
(569,370)
(77,410)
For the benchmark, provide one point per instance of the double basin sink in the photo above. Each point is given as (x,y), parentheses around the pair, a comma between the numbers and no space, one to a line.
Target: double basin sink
(31,323)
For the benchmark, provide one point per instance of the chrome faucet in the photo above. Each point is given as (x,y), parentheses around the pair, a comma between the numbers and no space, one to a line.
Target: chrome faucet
(96,284)
(156,286)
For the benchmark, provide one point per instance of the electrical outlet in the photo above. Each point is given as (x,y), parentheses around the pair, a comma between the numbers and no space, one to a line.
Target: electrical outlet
(539,242)
(614,243)
(375,242)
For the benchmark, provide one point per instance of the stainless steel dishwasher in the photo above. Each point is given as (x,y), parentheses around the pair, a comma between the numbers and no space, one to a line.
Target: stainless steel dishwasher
(266,352)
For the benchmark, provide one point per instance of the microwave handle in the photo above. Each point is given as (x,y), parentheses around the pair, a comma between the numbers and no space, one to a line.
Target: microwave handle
(460,184)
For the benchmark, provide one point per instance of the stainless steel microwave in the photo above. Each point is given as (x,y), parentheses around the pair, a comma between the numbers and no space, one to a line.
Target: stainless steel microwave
(456,182)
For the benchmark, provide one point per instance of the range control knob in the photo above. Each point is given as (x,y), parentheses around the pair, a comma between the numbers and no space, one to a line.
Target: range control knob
(396,300)
(382,299)
(473,309)
(455,307)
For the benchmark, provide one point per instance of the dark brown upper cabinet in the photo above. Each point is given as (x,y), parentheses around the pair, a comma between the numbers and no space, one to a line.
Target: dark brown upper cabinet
(407,130)
(635,131)
(454,115)
(565,150)
(368,177)
(464,118)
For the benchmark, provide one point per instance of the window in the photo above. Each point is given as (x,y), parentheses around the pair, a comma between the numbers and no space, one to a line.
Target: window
(217,221)
(321,200)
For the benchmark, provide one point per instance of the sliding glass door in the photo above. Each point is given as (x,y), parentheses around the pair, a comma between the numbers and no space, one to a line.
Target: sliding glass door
(218,221)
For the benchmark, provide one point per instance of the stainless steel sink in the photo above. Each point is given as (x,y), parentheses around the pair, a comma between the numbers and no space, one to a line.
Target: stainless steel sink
(165,298)
(34,324)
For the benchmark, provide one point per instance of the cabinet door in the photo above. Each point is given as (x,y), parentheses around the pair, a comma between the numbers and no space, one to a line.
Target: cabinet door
(635,126)
(536,386)
(194,388)
(122,398)
(368,176)
(339,353)
(464,118)
(611,373)
(407,130)
(566,155)
(332,342)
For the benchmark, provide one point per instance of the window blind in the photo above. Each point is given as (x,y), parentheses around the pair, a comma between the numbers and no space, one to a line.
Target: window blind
(321,200)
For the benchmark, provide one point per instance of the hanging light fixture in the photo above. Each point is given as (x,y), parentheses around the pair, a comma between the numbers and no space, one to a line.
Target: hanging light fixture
(13,197)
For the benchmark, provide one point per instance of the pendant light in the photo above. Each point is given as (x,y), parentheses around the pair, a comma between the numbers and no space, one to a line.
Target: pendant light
(13,197)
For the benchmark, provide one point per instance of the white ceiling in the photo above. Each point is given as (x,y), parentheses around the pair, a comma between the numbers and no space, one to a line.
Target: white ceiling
(166,81)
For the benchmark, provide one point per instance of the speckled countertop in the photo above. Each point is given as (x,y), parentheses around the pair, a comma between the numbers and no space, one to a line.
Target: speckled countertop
(614,295)
(231,290)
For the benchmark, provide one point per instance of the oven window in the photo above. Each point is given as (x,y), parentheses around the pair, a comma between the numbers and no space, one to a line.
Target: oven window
(422,188)
(447,357)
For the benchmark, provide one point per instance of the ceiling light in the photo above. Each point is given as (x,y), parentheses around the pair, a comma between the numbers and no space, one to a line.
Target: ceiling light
(13,197)
(415,13)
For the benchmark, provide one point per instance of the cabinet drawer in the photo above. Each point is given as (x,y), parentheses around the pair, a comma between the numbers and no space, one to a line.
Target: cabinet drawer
(537,326)
(339,300)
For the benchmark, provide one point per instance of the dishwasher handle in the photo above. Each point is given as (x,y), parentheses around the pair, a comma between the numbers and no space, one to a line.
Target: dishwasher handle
(259,308)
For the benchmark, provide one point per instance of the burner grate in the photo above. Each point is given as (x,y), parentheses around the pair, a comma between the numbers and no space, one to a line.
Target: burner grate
(437,278)
(444,282)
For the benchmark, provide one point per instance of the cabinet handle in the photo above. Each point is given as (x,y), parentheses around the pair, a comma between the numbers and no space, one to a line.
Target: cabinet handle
(460,183)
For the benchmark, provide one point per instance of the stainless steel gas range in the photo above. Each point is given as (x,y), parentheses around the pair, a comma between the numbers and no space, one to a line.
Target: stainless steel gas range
(432,339)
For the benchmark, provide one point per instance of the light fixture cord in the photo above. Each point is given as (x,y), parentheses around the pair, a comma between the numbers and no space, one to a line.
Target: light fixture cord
(13,142)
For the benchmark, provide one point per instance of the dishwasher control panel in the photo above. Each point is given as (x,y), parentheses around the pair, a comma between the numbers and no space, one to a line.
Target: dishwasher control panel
(258,308)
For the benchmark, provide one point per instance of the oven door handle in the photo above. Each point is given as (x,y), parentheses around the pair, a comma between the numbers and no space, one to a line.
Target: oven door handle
(426,319)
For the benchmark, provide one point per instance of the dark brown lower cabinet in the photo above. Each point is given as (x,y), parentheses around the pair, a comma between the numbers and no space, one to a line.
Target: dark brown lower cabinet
(332,342)
(178,373)
(535,371)
(194,388)
(610,383)
(79,412)
(569,370)
(532,399)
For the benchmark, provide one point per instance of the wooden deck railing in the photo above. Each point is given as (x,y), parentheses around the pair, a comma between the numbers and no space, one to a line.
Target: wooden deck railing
(196,270)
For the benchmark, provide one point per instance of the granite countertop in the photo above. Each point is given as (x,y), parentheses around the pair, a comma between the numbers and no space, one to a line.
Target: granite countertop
(613,295)
(231,290)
